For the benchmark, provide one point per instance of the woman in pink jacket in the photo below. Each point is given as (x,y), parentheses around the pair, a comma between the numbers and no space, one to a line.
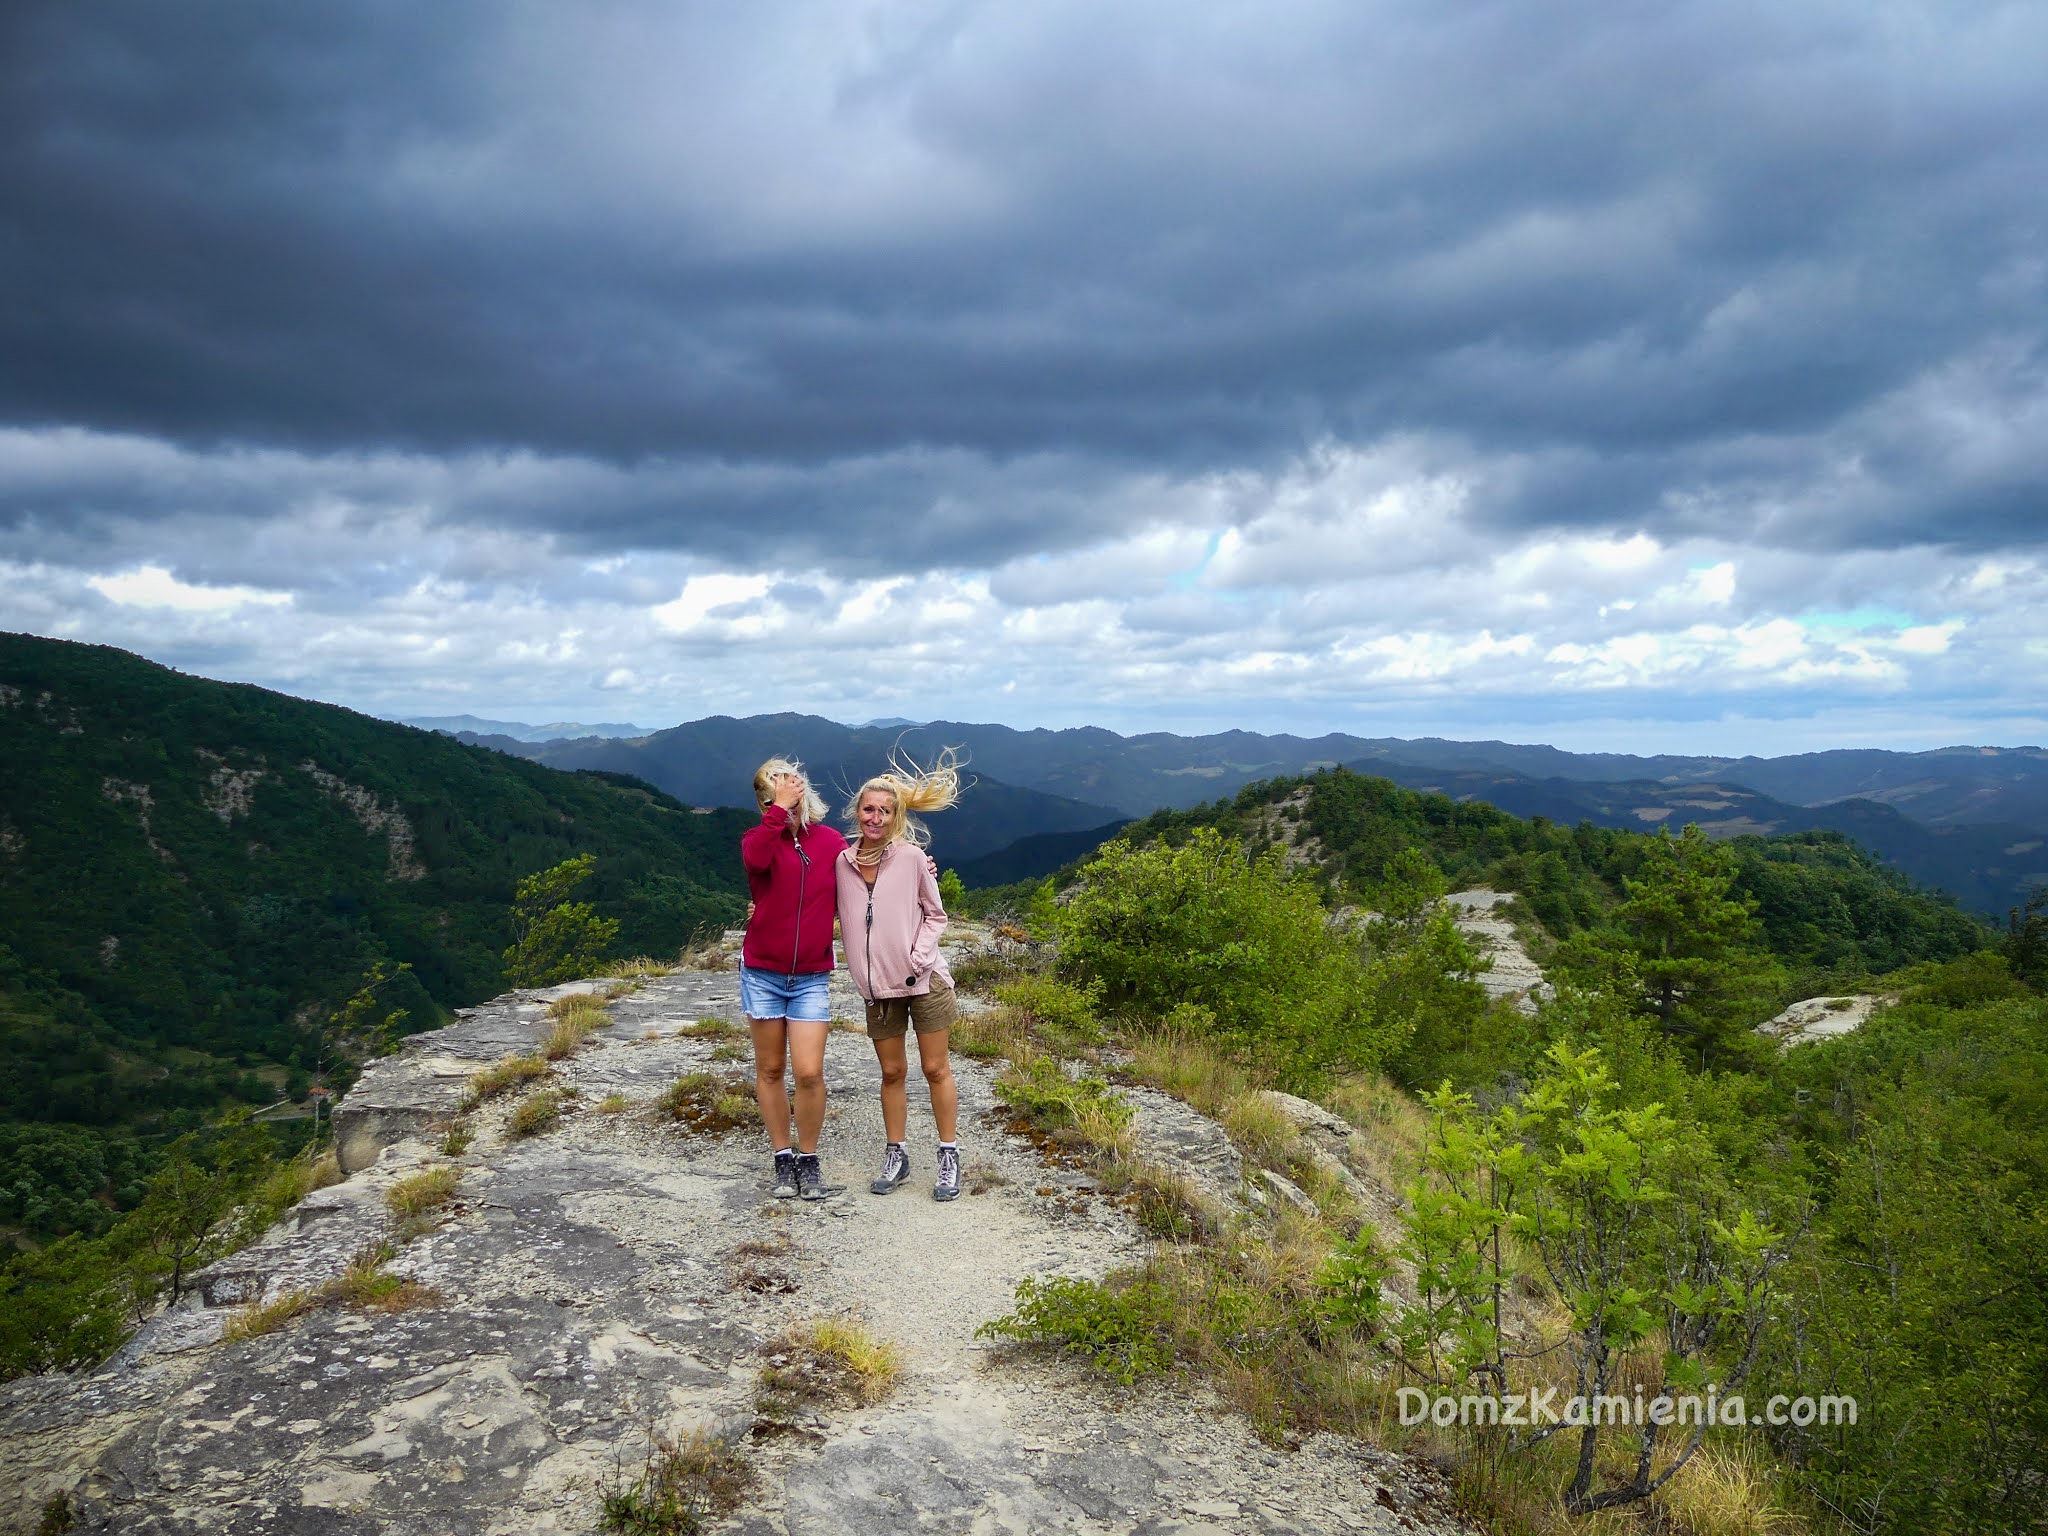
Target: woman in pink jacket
(890,919)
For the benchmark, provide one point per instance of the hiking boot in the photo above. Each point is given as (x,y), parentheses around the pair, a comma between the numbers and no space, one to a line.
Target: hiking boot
(785,1176)
(948,1187)
(895,1169)
(810,1178)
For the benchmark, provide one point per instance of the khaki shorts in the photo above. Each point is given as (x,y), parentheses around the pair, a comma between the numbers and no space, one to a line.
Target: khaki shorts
(932,1012)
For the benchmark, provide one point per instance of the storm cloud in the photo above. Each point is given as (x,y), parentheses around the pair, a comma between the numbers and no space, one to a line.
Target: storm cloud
(1294,343)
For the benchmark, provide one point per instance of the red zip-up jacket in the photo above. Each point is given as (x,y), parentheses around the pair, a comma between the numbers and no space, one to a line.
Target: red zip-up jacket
(790,879)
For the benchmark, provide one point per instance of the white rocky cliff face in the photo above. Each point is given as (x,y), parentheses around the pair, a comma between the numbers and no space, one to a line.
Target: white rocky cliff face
(616,1273)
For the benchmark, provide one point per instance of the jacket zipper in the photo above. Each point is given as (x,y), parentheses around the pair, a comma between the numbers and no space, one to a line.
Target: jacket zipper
(871,935)
(796,943)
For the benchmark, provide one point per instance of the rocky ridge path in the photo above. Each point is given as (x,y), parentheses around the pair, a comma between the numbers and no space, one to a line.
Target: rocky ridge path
(1512,974)
(615,1273)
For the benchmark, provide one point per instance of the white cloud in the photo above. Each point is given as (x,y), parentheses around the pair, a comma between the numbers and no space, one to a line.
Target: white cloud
(151,586)
(1345,590)
(1928,639)
(704,596)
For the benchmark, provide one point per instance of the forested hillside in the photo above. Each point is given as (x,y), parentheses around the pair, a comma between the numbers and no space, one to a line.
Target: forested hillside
(196,879)
(1825,908)
(1859,1219)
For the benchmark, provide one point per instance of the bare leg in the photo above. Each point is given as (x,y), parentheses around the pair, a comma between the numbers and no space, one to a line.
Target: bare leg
(895,1068)
(769,1092)
(807,1057)
(933,1055)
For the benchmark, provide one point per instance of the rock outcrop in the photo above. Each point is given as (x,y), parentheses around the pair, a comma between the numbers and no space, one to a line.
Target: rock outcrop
(1822,1018)
(1513,975)
(615,1274)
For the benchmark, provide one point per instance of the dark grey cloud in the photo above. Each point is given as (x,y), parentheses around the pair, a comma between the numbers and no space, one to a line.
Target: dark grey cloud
(1713,269)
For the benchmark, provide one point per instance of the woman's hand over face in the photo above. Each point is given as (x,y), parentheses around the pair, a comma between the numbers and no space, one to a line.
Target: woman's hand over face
(789,790)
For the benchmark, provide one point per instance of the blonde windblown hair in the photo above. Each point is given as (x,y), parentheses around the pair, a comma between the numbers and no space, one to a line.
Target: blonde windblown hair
(808,810)
(912,789)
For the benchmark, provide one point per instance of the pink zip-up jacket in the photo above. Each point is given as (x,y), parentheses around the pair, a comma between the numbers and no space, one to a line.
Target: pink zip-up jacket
(891,932)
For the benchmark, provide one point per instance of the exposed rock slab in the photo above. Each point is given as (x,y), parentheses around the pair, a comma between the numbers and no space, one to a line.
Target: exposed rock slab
(615,1274)
(1822,1018)
(1512,975)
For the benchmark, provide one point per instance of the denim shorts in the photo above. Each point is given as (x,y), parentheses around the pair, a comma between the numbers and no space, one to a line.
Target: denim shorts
(804,997)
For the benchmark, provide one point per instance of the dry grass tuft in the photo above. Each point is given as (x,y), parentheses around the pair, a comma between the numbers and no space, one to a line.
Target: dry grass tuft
(614,1104)
(641,968)
(1392,1127)
(686,1482)
(709,950)
(563,1040)
(711,1029)
(290,1182)
(1168,1206)
(980,1177)
(753,1266)
(422,1192)
(577,1017)
(827,1359)
(1191,1069)
(1261,1130)
(995,1034)
(457,1138)
(267,1317)
(366,1285)
(502,1077)
(1726,1490)
(705,1104)
(538,1112)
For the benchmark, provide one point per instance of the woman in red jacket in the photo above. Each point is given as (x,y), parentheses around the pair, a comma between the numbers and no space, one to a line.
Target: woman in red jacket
(890,919)
(786,964)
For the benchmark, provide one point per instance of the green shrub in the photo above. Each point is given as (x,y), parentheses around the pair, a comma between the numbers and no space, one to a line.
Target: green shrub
(1350,1282)
(1125,1328)
(1204,924)
(61,1308)
(558,939)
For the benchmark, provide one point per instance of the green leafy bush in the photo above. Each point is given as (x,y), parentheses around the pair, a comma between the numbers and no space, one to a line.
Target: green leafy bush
(1350,1282)
(1159,927)
(1124,1328)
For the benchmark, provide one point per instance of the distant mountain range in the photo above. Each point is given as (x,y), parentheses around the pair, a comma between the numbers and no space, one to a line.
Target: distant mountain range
(1969,820)
(518,730)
